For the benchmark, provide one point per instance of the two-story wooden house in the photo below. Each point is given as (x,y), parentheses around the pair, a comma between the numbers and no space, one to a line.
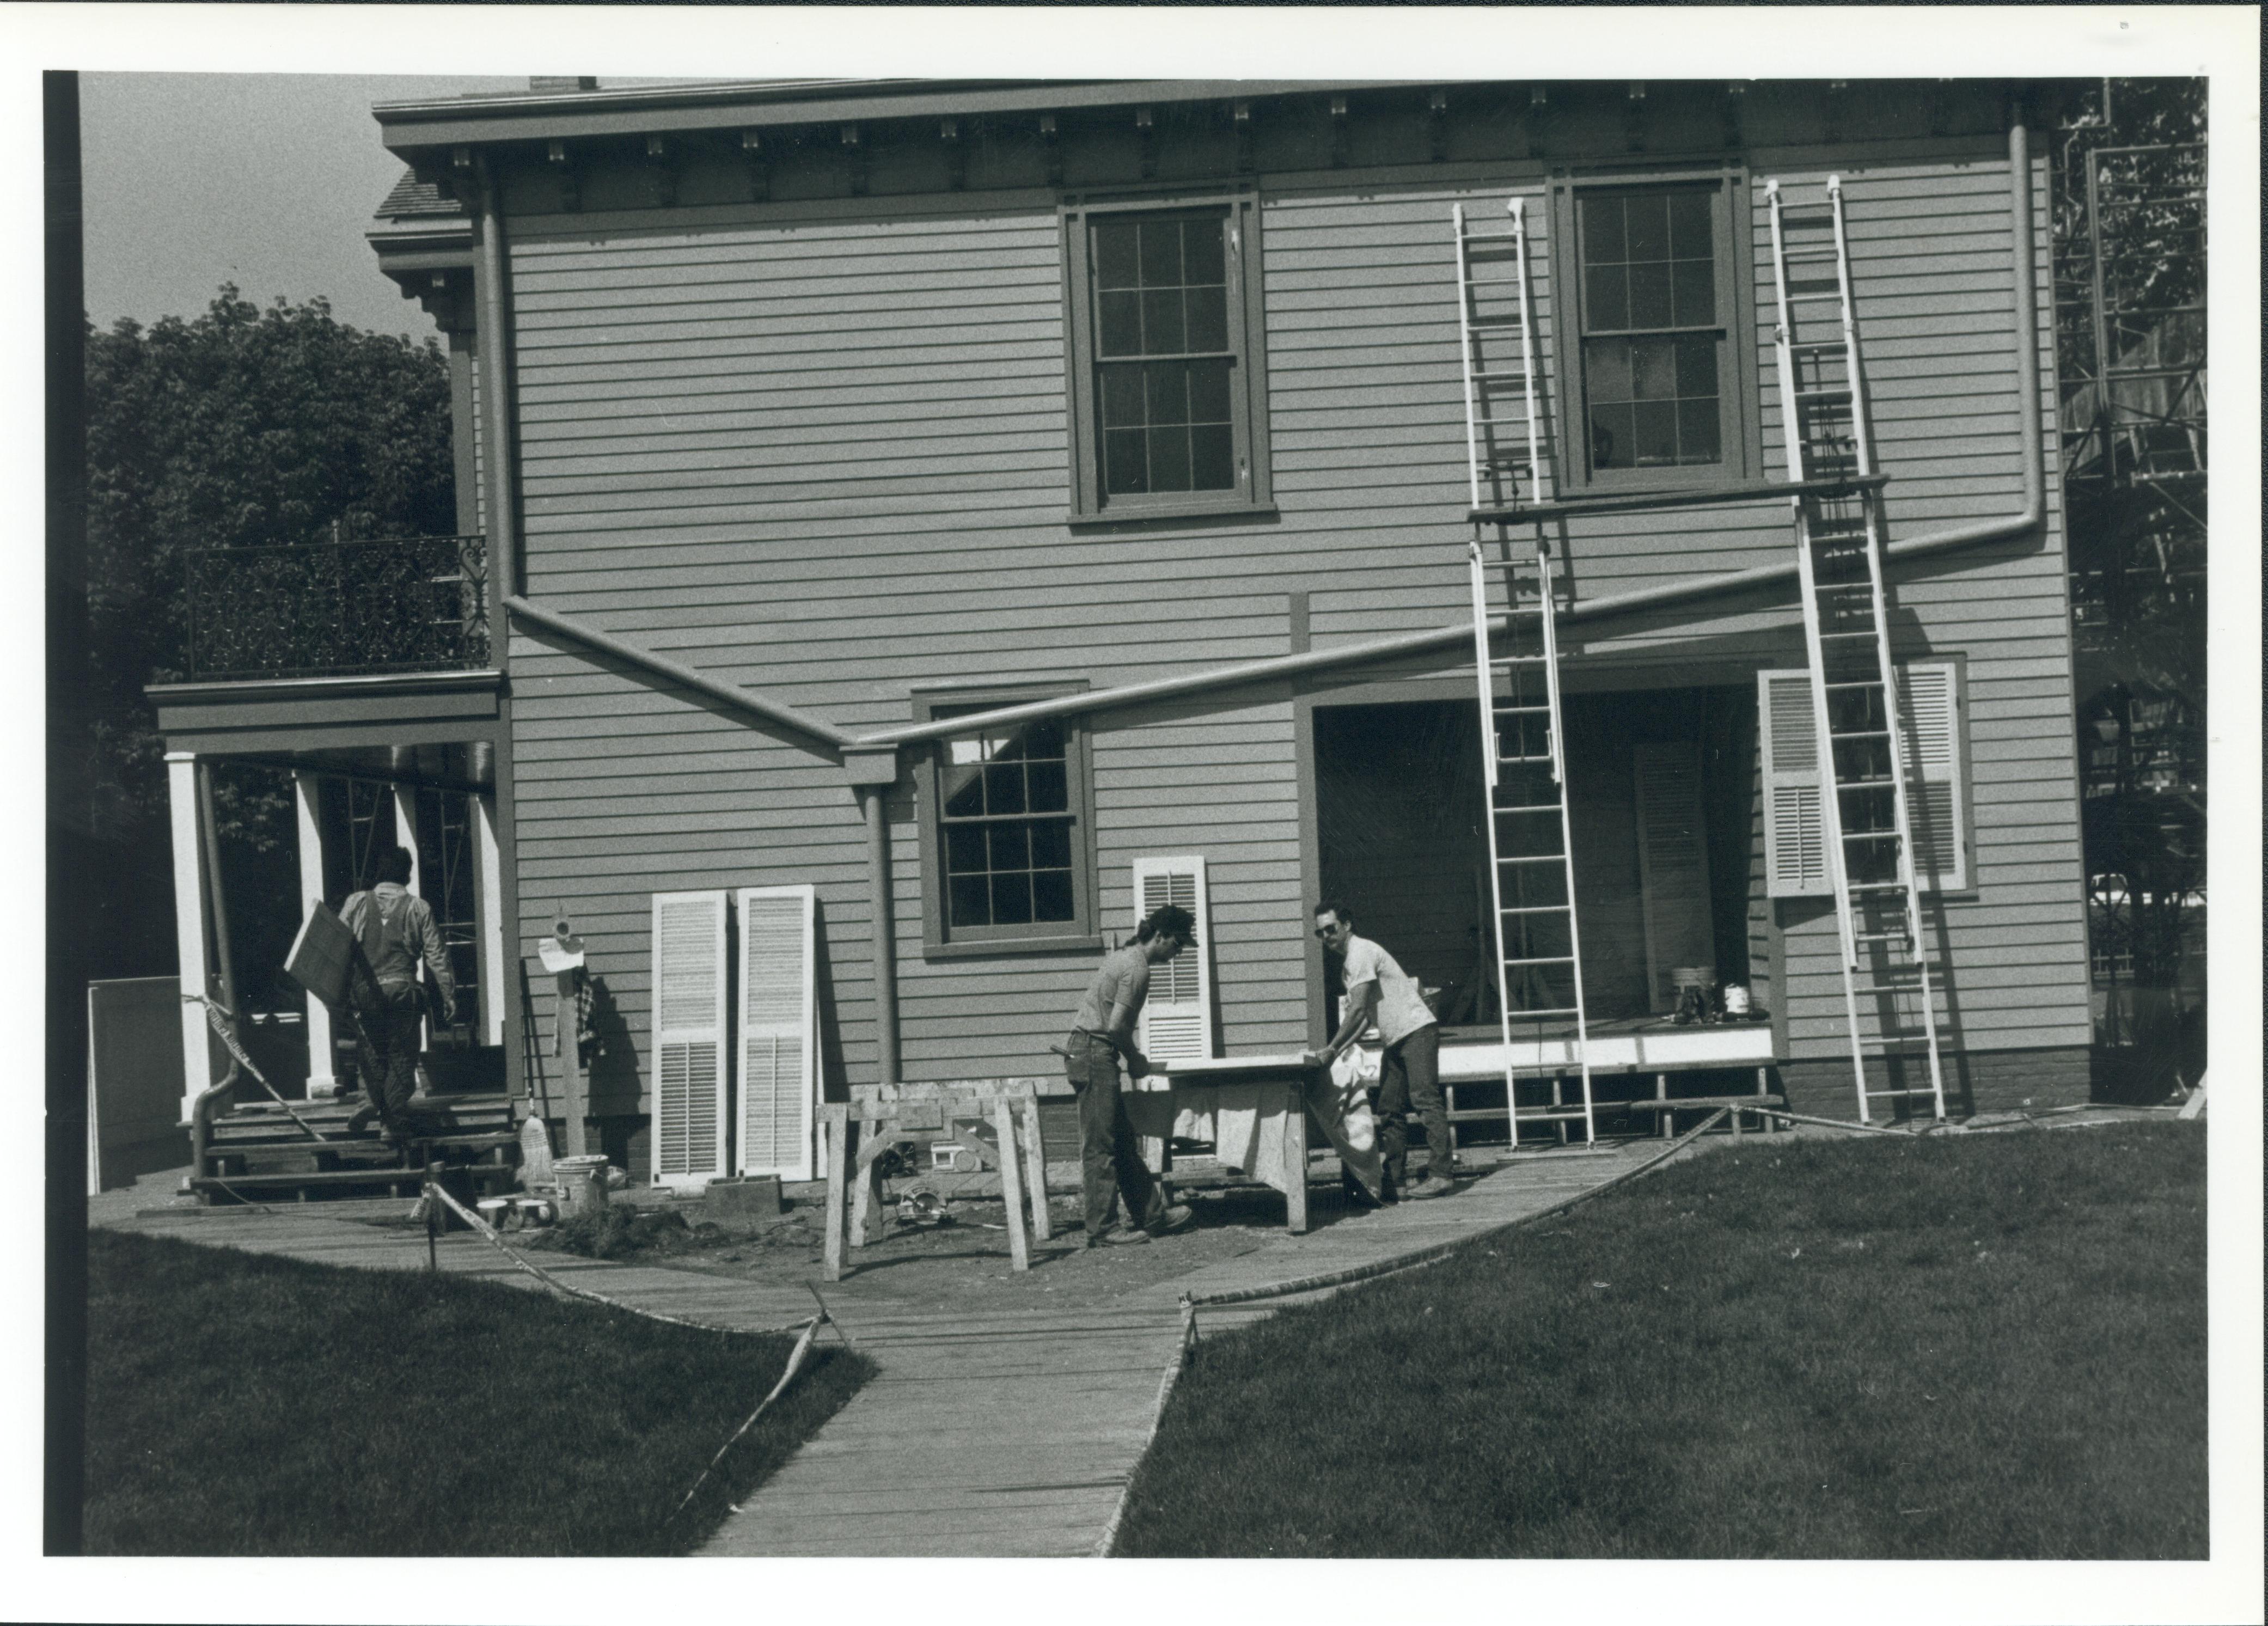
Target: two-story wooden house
(923,523)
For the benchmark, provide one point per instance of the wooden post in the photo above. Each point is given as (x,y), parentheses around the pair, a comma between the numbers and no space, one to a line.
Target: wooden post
(1035,1165)
(1662,1119)
(1295,1158)
(322,1081)
(1012,1184)
(836,1118)
(1765,1119)
(197,1074)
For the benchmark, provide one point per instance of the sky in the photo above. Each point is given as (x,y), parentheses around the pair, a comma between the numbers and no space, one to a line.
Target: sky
(266,181)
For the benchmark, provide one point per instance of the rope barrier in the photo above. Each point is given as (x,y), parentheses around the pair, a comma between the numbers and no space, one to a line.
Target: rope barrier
(794,1364)
(1831,1124)
(520,1262)
(227,1031)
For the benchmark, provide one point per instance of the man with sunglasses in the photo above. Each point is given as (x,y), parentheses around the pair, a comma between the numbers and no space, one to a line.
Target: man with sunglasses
(1410,1075)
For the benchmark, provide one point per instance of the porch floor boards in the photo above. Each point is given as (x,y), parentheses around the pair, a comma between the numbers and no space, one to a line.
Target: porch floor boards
(991,1434)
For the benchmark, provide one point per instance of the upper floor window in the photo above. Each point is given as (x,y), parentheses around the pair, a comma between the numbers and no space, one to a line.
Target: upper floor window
(1167,371)
(1657,363)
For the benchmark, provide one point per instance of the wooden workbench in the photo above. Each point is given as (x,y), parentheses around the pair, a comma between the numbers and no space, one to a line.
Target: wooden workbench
(1189,1082)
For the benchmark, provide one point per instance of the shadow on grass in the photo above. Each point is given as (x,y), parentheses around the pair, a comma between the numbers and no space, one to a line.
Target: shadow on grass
(244,1405)
(1961,1348)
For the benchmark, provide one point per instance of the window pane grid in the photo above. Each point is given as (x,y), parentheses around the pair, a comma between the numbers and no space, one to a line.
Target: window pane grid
(1652,331)
(1162,378)
(1005,825)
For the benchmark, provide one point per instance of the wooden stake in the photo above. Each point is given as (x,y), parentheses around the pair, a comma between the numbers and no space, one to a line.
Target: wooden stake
(1295,1158)
(1012,1184)
(1035,1164)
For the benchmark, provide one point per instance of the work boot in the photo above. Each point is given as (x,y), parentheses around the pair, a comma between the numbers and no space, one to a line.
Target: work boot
(1433,1186)
(361,1120)
(1180,1216)
(1116,1237)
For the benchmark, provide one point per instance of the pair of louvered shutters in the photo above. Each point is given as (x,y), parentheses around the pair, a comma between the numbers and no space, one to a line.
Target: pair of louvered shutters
(1177,1022)
(1795,844)
(779,1035)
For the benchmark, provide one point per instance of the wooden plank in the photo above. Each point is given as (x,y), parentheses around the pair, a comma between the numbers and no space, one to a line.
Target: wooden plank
(1035,1169)
(1012,1185)
(836,1119)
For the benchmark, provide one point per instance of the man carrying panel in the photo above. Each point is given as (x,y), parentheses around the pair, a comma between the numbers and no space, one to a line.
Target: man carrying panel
(1110,1155)
(396,932)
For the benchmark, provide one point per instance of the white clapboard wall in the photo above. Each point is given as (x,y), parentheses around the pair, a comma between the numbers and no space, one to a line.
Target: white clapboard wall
(688,1113)
(1796,848)
(1673,858)
(779,1032)
(1177,1022)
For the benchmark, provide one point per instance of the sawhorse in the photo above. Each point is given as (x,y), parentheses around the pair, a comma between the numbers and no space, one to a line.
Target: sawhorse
(924,1114)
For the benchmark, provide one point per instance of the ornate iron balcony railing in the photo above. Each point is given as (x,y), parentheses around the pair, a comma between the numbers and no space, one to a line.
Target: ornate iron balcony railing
(339,610)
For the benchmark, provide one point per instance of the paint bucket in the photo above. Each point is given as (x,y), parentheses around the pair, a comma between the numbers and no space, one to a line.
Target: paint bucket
(582,1182)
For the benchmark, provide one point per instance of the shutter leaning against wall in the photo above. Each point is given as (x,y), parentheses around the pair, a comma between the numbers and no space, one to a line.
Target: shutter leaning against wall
(779,1032)
(1929,708)
(1795,832)
(1177,1022)
(1673,859)
(688,1087)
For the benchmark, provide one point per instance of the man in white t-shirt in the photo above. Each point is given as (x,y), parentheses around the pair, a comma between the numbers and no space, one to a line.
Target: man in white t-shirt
(1410,1075)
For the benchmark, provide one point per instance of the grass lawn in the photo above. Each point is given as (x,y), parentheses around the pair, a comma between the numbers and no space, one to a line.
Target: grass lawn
(244,1405)
(1982,1347)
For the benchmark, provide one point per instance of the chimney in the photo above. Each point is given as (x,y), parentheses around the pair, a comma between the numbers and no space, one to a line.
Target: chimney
(553,84)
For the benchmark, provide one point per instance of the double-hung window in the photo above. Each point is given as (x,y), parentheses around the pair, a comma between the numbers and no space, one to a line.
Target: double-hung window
(1656,333)
(1168,379)
(1006,835)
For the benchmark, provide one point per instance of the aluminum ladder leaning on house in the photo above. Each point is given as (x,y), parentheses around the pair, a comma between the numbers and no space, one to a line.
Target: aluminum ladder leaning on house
(1531,864)
(1860,739)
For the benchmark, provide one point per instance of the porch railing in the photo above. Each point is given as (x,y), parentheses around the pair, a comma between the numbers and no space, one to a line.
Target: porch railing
(339,610)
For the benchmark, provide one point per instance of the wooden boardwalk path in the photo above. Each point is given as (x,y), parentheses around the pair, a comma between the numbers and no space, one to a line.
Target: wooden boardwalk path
(986,1432)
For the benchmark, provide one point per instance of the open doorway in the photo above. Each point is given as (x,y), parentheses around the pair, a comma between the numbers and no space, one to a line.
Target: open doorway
(1663,806)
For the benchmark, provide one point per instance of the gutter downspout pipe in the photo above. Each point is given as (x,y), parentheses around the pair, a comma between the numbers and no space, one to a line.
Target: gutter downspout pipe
(493,328)
(2026,520)
(884,929)
(727,694)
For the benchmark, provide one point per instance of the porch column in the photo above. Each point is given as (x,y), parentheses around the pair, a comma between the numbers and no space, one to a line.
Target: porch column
(306,798)
(190,924)
(405,835)
(488,917)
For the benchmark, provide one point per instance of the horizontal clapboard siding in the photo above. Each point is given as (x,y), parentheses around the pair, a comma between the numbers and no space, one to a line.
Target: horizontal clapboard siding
(824,456)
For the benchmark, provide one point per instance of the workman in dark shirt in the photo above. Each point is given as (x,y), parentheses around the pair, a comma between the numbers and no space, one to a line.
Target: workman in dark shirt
(397,932)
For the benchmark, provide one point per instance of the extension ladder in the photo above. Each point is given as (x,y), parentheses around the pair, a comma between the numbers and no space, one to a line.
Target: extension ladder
(1539,972)
(1539,954)
(1859,735)
(1486,305)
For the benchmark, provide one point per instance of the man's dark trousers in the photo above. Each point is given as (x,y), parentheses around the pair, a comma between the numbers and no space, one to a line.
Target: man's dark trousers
(1110,1155)
(391,1076)
(1410,1079)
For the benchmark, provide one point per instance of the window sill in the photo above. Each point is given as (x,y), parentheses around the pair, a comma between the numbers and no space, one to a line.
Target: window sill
(1132,518)
(993,948)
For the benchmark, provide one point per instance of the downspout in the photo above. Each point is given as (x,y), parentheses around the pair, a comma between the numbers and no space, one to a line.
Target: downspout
(2027,518)
(207,1102)
(726,694)
(495,326)
(884,929)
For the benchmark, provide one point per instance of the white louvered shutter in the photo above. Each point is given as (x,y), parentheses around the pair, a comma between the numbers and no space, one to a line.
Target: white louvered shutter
(779,1032)
(1929,709)
(1795,822)
(689,1088)
(1673,858)
(1176,1024)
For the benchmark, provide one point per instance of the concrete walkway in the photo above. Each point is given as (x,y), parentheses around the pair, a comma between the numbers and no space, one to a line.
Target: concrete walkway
(993,1433)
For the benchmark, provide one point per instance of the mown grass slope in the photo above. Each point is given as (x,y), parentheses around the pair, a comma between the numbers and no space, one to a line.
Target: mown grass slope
(245,1405)
(1980,1346)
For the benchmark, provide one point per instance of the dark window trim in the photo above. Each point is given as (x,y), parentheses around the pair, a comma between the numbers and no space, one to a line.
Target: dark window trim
(1743,414)
(1248,339)
(1080,933)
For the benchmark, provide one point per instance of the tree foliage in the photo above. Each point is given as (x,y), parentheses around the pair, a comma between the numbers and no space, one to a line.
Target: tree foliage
(244,427)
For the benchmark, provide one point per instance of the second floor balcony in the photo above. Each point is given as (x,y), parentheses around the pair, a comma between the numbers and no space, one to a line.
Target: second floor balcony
(339,610)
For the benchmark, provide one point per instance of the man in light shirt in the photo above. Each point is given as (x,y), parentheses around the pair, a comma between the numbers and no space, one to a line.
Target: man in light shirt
(1410,1075)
